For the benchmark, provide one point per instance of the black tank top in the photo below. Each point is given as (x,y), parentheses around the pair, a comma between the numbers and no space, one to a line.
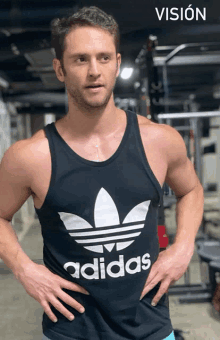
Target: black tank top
(99,227)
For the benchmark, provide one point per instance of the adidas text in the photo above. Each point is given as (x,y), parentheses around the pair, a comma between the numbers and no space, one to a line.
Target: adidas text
(98,269)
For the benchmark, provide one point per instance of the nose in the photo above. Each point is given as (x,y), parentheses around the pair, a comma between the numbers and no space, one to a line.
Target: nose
(94,69)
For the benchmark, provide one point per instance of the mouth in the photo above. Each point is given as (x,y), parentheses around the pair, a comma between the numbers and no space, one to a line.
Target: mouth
(94,88)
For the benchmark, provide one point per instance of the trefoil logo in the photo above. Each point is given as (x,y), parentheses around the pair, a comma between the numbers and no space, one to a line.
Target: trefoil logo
(108,233)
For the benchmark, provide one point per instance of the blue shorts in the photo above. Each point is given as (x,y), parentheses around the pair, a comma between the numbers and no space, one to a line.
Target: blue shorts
(170,337)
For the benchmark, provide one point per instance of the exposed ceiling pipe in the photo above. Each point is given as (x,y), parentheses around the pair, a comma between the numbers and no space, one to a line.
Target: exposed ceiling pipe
(26,18)
(39,98)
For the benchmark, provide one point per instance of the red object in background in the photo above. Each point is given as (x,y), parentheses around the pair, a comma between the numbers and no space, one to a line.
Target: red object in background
(163,239)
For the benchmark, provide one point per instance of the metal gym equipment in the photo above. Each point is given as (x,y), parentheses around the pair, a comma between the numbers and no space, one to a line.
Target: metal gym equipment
(153,91)
(174,53)
(209,252)
(148,62)
(192,292)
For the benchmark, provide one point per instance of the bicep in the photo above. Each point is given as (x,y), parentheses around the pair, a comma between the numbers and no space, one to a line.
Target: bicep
(14,183)
(181,176)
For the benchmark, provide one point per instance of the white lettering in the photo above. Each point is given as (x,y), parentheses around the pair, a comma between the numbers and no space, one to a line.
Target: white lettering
(146,261)
(102,267)
(120,264)
(198,12)
(173,13)
(137,260)
(91,271)
(181,12)
(95,268)
(192,13)
(158,15)
(167,13)
(75,265)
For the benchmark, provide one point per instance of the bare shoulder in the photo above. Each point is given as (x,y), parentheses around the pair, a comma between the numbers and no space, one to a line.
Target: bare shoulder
(21,163)
(26,154)
(167,138)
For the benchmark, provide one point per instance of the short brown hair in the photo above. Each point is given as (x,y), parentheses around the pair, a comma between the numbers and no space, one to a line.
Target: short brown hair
(86,16)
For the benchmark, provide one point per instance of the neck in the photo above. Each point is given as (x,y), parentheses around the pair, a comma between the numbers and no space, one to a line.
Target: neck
(93,122)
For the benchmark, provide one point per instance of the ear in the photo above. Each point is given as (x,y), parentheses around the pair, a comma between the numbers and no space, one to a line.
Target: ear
(58,69)
(118,64)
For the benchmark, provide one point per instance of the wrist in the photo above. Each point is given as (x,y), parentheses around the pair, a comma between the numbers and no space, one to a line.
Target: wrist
(22,263)
(184,247)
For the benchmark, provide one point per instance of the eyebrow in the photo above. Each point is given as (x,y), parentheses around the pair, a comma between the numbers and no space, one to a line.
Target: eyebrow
(78,55)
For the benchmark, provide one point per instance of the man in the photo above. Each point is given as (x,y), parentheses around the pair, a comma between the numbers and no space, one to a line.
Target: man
(96,179)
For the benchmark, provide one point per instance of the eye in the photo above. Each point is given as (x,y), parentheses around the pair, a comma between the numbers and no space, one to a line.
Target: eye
(105,58)
(81,59)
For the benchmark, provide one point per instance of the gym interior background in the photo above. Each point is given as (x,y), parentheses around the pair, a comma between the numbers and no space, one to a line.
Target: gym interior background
(170,73)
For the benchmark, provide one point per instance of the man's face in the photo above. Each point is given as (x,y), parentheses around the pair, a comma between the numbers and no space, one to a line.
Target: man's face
(89,59)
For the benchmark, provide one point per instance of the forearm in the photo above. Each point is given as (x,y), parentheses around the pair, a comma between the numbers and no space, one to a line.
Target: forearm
(10,249)
(189,213)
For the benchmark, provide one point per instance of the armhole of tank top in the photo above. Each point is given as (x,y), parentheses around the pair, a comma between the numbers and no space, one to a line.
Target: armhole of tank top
(47,130)
(144,159)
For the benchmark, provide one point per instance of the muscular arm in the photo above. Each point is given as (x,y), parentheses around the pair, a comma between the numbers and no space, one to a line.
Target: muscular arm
(14,191)
(182,179)
(38,281)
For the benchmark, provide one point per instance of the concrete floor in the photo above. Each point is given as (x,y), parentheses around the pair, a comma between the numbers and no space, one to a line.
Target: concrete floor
(20,315)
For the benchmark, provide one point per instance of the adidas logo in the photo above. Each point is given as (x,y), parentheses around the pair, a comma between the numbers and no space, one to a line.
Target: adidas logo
(101,270)
(108,231)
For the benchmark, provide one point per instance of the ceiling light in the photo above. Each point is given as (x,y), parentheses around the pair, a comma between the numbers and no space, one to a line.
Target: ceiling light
(126,72)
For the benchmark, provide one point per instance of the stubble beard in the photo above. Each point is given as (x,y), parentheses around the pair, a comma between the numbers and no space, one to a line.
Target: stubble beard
(80,100)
